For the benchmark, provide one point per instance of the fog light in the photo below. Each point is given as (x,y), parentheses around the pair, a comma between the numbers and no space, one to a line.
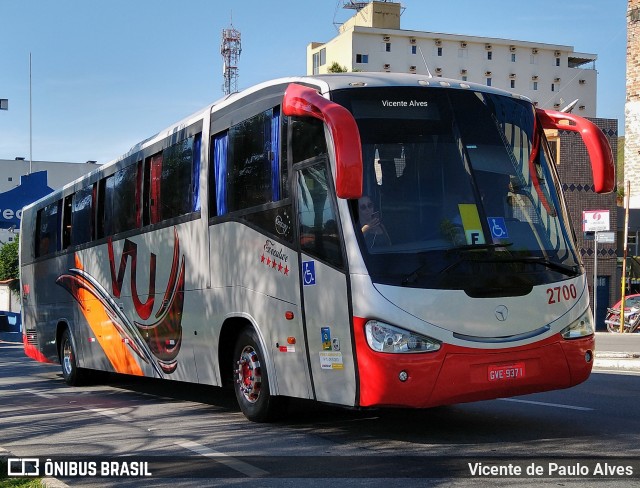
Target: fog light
(403,376)
(588,356)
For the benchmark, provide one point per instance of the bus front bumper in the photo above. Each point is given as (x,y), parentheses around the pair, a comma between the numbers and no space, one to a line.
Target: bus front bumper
(456,374)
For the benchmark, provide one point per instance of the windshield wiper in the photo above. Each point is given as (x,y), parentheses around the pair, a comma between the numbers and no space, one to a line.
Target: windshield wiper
(562,268)
(413,276)
(474,247)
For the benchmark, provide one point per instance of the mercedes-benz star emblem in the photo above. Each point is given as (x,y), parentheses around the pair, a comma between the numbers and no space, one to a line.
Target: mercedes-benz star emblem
(502,313)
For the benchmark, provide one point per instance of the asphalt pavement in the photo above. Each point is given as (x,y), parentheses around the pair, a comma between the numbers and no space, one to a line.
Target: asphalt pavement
(613,351)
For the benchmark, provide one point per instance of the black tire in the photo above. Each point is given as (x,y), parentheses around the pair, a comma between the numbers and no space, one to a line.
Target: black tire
(72,374)
(251,379)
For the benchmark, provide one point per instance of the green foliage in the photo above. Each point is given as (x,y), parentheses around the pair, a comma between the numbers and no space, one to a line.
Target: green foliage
(7,482)
(620,163)
(9,268)
(336,68)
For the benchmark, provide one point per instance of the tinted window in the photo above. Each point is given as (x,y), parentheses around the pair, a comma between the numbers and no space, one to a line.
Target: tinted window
(48,229)
(171,176)
(119,201)
(319,234)
(82,216)
(307,138)
(253,161)
(175,186)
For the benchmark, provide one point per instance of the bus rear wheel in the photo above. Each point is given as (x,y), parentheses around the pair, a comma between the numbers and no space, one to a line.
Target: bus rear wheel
(251,377)
(71,373)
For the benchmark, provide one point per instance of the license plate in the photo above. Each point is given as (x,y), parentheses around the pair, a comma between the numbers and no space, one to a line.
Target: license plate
(505,372)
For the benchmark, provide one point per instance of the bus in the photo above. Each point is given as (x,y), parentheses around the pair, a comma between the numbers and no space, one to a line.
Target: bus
(360,240)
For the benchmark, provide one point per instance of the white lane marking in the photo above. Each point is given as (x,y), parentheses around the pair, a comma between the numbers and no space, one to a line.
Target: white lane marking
(545,404)
(38,393)
(229,461)
(112,414)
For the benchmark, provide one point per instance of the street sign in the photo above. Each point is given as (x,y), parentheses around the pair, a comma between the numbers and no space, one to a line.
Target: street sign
(606,237)
(595,220)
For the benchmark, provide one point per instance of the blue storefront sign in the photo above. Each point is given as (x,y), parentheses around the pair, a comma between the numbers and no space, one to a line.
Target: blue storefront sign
(31,188)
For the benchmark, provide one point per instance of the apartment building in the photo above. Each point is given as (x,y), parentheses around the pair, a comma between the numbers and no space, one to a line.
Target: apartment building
(551,75)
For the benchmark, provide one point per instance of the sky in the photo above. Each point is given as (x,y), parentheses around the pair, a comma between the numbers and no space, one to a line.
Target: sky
(108,74)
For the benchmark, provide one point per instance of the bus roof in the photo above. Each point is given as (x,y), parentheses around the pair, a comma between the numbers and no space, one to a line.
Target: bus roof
(325,84)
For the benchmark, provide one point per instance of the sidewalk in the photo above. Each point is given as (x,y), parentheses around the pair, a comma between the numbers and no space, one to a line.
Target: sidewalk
(619,352)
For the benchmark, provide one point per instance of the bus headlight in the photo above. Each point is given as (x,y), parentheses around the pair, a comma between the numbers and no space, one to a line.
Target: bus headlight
(580,328)
(383,337)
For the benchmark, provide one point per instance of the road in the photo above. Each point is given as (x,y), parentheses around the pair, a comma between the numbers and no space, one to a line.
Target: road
(195,436)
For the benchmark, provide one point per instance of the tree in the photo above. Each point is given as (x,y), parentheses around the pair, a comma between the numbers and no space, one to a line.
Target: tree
(336,68)
(9,269)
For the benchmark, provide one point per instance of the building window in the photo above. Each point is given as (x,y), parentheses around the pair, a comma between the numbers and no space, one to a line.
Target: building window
(533,59)
(557,61)
(513,83)
(463,53)
(464,77)
(319,59)
(362,58)
(387,47)
(553,87)
(10,178)
(489,55)
(414,49)
(513,57)
(534,85)
(488,81)
(439,51)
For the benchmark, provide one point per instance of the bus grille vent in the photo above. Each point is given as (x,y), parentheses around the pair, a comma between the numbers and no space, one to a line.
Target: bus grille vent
(32,337)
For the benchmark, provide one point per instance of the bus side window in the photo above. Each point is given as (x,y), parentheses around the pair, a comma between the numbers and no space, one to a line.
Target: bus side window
(307,138)
(82,221)
(118,207)
(218,174)
(48,229)
(171,181)
(66,222)
(177,177)
(253,156)
(319,235)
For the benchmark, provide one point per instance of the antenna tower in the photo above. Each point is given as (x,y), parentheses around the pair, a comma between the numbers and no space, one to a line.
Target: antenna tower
(230,49)
(351,5)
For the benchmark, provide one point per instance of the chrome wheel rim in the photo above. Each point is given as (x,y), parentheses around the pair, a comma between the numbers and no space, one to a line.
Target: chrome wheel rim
(249,375)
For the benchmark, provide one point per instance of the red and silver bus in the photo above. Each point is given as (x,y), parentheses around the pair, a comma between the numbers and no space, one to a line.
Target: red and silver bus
(358,239)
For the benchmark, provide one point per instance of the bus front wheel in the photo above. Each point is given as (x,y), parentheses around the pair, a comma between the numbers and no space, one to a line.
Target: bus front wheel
(251,379)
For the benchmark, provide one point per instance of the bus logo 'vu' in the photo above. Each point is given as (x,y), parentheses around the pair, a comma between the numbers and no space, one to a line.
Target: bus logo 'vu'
(130,250)
(158,343)
(164,336)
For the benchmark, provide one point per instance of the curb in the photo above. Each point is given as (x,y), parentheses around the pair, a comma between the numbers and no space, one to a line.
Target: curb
(621,361)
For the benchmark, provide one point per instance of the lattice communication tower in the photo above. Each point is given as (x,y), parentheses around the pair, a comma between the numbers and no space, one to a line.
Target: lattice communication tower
(230,49)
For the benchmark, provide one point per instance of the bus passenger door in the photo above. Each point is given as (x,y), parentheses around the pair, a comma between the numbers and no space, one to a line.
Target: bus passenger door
(323,280)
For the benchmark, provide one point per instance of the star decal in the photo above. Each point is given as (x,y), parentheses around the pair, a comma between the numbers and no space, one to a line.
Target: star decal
(275,264)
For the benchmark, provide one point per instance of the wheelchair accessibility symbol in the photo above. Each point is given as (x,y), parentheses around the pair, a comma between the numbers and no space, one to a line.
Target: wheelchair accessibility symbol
(498,227)
(308,273)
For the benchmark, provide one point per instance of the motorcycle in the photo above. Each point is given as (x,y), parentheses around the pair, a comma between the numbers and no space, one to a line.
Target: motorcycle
(631,319)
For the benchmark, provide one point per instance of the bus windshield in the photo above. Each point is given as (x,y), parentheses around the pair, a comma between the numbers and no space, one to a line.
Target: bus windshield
(459,192)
